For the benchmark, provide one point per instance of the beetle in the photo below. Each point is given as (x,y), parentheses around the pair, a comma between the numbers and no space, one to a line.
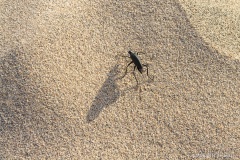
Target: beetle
(136,60)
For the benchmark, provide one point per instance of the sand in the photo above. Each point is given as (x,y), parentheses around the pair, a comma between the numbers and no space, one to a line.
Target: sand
(62,95)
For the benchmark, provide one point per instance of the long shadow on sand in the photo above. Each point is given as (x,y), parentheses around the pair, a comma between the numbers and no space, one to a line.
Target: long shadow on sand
(13,92)
(108,94)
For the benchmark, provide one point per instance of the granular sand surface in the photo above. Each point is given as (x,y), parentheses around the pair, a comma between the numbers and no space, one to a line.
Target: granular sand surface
(62,95)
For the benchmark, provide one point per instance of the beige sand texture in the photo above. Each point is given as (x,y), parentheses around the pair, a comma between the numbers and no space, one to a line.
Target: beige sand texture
(62,95)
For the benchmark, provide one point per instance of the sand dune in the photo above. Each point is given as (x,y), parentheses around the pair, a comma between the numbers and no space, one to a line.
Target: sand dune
(62,95)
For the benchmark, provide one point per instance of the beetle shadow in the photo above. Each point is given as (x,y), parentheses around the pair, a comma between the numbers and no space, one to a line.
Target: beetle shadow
(108,94)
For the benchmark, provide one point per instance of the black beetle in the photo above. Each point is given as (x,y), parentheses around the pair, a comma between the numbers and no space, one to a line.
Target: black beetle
(135,59)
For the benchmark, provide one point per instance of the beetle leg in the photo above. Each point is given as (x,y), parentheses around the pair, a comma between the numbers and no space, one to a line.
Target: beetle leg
(135,74)
(117,56)
(125,56)
(145,65)
(141,53)
(126,69)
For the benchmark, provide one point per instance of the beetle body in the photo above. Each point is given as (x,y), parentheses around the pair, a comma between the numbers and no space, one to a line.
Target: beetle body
(136,61)
(137,64)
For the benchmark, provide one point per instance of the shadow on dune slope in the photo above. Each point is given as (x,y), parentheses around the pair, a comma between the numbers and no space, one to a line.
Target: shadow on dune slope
(28,128)
(196,88)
